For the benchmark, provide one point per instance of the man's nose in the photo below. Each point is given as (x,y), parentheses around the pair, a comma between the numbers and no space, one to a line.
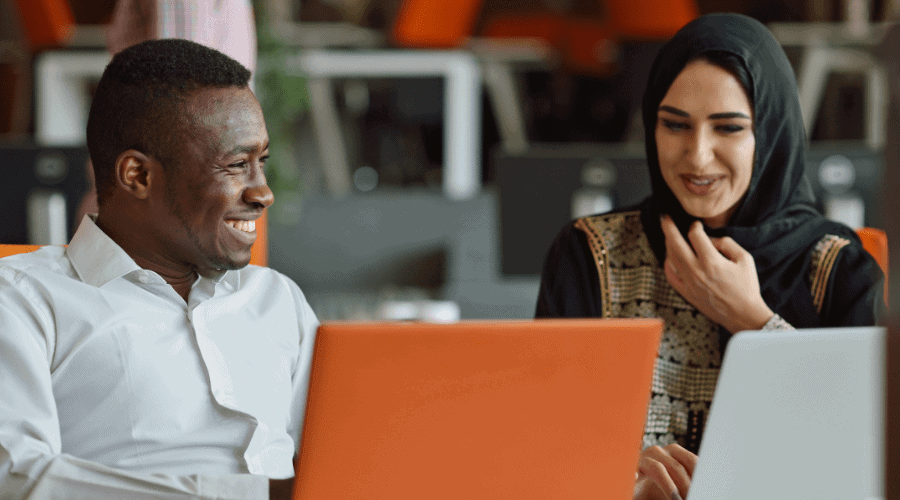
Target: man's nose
(258,191)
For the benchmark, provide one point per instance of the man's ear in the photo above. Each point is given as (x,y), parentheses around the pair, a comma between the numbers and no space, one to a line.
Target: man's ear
(134,173)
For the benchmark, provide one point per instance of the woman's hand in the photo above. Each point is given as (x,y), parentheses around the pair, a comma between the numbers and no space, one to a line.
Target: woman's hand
(664,473)
(717,276)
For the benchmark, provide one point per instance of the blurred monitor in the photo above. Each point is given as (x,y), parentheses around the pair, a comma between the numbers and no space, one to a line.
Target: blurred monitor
(847,179)
(549,185)
(40,191)
(545,187)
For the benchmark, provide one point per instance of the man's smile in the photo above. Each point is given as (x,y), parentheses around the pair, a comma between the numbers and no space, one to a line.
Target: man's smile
(247,226)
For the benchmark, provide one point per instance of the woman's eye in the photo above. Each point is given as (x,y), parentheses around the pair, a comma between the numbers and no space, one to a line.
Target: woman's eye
(730,129)
(674,126)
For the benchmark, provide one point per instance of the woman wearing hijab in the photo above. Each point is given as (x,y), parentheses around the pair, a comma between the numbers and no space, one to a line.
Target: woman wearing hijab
(728,241)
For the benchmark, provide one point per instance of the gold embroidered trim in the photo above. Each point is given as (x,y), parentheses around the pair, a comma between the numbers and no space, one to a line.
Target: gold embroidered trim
(634,285)
(598,249)
(824,256)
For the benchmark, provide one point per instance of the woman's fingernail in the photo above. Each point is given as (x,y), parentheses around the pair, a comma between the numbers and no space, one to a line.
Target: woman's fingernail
(676,496)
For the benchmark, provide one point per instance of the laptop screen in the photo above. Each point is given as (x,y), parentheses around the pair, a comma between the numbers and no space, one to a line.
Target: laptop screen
(796,415)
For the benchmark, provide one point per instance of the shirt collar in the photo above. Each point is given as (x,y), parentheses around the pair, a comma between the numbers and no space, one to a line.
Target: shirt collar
(95,256)
(98,259)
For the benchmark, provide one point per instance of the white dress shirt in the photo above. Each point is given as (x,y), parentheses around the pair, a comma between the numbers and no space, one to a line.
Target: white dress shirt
(111,386)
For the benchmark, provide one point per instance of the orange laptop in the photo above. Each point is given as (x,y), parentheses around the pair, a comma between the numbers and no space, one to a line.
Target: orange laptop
(502,409)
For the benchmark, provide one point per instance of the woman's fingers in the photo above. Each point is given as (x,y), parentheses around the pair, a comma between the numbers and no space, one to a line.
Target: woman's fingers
(701,243)
(687,459)
(676,245)
(667,472)
(731,249)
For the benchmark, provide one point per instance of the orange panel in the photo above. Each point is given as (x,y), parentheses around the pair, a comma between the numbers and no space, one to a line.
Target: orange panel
(435,23)
(259,254)
(47,23)
(650,19)
(7,250)
(876,243)
(591,47)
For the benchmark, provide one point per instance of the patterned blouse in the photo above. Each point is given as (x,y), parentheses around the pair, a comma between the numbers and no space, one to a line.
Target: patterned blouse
(633,285)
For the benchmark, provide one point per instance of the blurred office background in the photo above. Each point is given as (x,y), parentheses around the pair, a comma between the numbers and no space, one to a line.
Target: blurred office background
(426,152)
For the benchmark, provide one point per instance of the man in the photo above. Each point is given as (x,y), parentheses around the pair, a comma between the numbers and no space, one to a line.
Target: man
(225,25)
(145,360)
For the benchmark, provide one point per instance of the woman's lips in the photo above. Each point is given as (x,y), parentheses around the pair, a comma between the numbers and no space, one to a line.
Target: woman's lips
(701,184)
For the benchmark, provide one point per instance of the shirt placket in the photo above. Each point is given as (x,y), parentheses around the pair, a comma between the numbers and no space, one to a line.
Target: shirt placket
(220,377)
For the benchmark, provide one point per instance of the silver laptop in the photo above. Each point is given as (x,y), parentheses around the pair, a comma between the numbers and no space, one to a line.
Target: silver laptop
(796,415)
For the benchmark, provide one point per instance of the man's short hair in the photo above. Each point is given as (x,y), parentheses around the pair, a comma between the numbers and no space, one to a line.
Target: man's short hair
(139,101)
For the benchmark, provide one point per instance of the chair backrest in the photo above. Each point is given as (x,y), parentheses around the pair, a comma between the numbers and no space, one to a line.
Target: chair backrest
(876,243)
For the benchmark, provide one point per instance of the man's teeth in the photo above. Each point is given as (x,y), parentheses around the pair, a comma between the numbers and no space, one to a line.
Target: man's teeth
(248,226)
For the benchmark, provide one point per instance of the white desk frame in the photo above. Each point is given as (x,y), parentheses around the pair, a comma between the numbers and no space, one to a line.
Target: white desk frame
(462,107)
(835,47)
(61,103)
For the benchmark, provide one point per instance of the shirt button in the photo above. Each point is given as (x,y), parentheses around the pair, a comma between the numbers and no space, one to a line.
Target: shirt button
(143,278)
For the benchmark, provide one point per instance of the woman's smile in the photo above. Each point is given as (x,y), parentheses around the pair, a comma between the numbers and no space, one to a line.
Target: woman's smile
(701,185)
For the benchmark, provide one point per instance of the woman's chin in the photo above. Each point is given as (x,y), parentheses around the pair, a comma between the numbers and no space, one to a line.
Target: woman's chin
(710,216)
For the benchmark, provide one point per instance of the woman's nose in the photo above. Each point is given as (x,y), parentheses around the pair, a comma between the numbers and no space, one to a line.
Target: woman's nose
(699,148)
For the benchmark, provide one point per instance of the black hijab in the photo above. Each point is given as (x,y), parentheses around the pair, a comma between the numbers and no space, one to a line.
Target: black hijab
(776,220)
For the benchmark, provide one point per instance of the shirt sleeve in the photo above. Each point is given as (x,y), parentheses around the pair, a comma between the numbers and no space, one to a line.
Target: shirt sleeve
(308,324)
(570,286)
(32,463)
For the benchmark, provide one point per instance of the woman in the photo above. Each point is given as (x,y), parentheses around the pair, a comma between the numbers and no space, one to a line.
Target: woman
(728,241)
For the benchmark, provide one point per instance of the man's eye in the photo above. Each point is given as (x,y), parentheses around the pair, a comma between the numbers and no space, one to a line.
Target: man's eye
(240,164)
(674,126)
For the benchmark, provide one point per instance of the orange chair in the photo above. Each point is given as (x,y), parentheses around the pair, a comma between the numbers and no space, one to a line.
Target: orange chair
(259,255)
(876,243)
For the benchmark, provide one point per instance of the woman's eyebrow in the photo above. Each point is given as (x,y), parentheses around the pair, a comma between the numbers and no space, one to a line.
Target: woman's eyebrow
(675,111)
(732,114)
(714,116)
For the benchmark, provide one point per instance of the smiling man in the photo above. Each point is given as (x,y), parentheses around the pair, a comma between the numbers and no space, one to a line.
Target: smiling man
(147,359)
